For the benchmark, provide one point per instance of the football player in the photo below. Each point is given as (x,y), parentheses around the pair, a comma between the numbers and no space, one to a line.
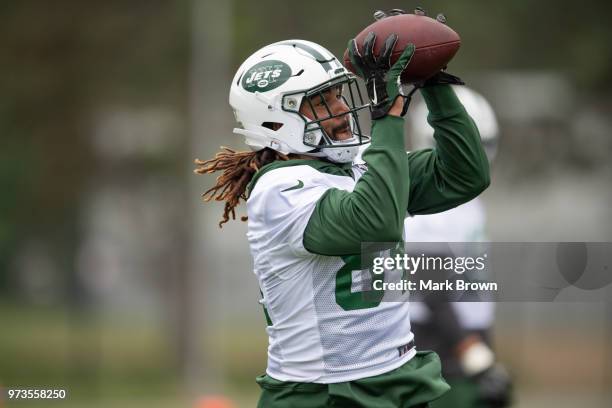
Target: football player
(460,332)
(311,205)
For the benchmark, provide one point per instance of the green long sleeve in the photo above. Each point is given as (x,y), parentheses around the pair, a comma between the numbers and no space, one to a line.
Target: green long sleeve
(421,182)
(375,210)
(457,169)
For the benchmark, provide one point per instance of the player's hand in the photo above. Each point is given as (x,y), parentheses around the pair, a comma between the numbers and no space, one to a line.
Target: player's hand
(382,80)
(494,387)
(419,11)
(440,78)
(379,14)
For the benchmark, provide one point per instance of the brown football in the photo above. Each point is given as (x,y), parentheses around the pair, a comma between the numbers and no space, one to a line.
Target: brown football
(436,43)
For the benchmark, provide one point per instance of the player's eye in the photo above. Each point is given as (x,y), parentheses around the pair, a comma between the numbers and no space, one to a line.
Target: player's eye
(317,101)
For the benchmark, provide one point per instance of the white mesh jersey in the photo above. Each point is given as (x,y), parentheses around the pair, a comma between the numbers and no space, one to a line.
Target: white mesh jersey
(464,223)
(312,338)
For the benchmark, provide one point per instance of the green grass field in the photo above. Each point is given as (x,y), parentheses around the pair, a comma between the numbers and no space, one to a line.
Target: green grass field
(109,362)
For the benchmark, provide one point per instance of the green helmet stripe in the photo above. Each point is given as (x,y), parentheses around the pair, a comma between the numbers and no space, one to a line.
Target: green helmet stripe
(320,58)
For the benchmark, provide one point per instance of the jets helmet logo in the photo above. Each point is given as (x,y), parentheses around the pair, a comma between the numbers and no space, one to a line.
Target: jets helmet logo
(266,76)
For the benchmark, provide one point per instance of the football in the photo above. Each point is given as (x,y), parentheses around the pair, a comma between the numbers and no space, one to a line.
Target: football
(436,43)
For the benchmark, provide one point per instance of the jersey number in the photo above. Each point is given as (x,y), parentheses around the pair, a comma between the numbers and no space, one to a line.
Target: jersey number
(349,300)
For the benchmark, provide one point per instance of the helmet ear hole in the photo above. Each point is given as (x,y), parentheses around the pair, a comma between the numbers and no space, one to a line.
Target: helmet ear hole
(272,125)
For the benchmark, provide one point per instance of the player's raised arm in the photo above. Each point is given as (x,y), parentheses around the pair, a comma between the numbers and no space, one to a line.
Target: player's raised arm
(457,169)
(374,211)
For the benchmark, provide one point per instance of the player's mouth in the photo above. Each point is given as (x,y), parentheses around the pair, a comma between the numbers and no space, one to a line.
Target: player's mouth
(342,132)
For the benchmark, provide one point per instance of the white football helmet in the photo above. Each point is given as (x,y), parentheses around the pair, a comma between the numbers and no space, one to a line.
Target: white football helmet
(269,88)
(476,106)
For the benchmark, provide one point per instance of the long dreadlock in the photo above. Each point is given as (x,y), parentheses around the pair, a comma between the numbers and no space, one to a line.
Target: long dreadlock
(238,170)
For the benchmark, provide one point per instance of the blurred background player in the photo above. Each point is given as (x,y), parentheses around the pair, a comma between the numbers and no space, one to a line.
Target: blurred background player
(460,332)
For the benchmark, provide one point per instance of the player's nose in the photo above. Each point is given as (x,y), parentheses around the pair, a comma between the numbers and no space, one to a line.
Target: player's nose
(339,107)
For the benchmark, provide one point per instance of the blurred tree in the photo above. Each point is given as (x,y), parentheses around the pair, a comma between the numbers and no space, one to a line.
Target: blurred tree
(61,61)
(63,64)
(557,35)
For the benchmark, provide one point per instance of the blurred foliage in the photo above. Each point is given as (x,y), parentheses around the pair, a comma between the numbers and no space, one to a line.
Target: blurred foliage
(61,61)
(559,35)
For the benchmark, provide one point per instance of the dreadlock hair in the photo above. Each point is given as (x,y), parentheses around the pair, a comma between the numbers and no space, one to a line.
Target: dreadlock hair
(238,170)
